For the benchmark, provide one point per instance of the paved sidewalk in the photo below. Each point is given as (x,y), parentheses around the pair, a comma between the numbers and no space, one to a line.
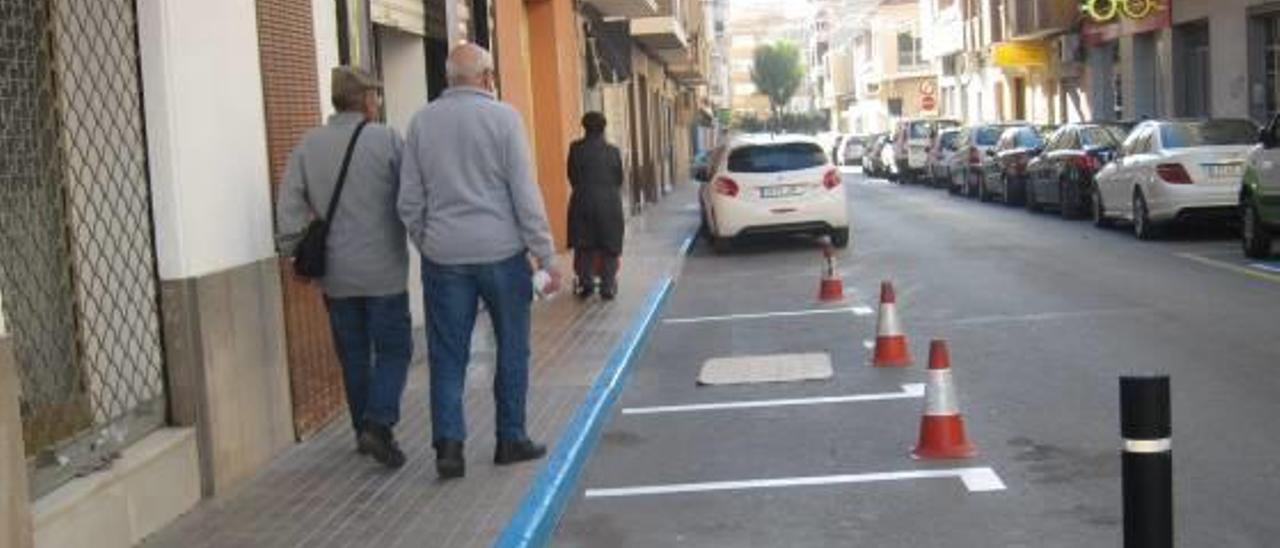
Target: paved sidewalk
(320,493)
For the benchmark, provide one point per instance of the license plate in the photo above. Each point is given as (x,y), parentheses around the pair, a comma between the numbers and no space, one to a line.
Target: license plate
(783,191)
(1224,171)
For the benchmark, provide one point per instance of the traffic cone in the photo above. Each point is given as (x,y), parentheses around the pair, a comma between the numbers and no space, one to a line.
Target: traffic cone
(891,341)
(831,288)
(941,428)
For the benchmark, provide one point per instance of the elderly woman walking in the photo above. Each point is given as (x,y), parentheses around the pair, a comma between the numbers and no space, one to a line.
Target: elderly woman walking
(596,223)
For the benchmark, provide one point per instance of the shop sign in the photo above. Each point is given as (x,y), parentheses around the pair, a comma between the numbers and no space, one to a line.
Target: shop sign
(1107,20)
(1020,54)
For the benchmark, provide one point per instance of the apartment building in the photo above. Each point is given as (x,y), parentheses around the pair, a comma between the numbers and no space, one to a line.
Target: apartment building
(894,80)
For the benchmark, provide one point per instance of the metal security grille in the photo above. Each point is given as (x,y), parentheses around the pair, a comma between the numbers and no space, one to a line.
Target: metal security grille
(77,262)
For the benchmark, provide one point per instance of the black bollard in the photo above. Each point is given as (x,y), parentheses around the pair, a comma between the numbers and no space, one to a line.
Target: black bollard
(1147,466)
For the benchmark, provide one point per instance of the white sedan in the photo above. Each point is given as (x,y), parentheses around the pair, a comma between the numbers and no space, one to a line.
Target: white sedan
(1169,171)
(773,184)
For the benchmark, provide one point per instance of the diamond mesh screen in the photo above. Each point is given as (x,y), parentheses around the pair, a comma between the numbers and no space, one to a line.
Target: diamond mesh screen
(77,264)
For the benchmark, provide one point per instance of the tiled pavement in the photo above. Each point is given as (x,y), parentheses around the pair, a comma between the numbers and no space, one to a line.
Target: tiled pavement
(320,493)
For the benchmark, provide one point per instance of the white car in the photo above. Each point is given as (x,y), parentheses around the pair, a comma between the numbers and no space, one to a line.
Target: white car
(1169,171)
(773,184)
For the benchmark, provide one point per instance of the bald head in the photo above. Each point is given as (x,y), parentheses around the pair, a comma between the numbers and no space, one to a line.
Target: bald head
(470,65)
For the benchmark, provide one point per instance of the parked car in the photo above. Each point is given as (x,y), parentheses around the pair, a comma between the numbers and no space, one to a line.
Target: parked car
(968,166)
(853,149)
(837,145)
(1260,193)
(1169,171)
(935,168)
(1006,174)
(912,139)
(1062,175)
(871,158)
(774,184)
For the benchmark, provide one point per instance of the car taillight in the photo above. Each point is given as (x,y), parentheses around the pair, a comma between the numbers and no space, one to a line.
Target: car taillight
(831,179)
(1173,174)
(974,157)
(1086,163)
(726,186)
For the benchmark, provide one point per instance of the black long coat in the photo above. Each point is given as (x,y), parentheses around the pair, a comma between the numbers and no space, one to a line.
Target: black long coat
(595,209)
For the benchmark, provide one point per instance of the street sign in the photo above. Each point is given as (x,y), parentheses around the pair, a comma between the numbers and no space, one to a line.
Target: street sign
(927,87)
(927,102)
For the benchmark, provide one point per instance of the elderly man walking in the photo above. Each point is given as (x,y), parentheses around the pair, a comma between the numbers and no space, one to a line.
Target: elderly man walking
(366,262)
(472,208)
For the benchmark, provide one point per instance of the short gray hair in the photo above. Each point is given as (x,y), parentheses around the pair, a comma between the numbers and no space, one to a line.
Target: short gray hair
(467,62)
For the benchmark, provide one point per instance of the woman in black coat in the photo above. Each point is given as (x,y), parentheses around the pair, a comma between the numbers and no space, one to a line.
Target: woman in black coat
(596,223)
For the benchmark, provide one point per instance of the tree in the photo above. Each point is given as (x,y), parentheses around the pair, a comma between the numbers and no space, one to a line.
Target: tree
(777,73)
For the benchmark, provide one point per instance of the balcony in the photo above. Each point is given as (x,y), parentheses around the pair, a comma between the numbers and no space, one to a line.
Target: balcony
(631,9)
(1035,19)
(659,33)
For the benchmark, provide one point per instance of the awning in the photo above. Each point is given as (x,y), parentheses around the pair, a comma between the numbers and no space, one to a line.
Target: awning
(608,48)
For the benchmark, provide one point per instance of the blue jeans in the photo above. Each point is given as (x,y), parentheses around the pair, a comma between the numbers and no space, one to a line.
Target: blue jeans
(452,296)
(375,345)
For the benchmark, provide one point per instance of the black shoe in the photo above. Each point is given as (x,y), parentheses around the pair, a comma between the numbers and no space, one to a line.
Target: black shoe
(608,293)
(361,448)
(584,291)
(511,452)
(450,463)
(379,441)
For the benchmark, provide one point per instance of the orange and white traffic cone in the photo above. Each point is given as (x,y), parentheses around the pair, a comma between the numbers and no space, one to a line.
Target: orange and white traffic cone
(941,428)
(891,341)
(831,288)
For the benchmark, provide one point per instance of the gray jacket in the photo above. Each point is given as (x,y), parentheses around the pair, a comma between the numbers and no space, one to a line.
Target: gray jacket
(467,193)
(368,255)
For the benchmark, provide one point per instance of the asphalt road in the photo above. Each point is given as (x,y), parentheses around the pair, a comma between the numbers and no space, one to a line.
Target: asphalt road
(1042,315)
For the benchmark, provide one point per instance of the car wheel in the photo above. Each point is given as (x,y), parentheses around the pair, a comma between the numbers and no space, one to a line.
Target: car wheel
(1029,198)
(840,237)
(1142,227)
(1068,199)
(1254,237)
(1099,210)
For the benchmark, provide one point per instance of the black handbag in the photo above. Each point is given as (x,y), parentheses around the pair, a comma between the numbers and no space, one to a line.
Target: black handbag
(310,256)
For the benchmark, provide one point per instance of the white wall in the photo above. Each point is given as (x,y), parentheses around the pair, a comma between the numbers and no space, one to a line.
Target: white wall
(206,134)
(324,19)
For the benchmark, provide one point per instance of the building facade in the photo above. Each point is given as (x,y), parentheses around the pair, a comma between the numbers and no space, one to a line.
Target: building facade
(893,78)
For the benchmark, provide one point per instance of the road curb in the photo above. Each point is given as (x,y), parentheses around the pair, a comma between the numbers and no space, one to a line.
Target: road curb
(545,501)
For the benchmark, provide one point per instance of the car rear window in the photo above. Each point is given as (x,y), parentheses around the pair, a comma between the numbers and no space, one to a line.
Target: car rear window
(1209,133)
(774,158)
(918,130)
(1098,136)
(1028,138)
(987,136)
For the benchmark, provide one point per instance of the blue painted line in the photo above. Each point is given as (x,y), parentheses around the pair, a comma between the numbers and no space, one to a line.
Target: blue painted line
(688,244)
(1273,267)
(544,503)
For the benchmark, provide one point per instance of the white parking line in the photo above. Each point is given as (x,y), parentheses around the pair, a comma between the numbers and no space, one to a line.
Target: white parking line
(909,391)
(855,310)
(1266,266)
(1229,266)
(976,480)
